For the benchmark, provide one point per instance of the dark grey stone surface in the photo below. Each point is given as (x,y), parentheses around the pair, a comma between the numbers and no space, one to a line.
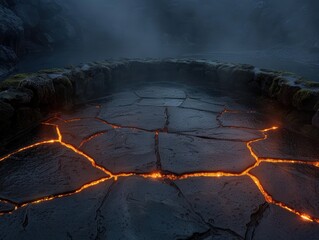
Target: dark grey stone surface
(280,224)
(76,132)
(189,120)
(124,150)
(156,138)
(300,182)
(161,92)
(69,217)
(252,120)
(227,203)
(284,144)
(181,154)
(42,171)
(145,117)
(138,208)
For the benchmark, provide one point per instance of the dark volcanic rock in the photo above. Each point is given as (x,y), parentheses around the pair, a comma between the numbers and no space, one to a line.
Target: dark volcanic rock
(53,90)
(42,171)
(56,218)
(137,208)
(291,227)
(180,154)
(37,134)
(231,134)
(42,87)
(144,117)
(284,144)
(91,81)
(203,106)
(189,120)
(16,97)
(301,184)
(79,130)
(235,76)
(208,203)
(251,120)
(63,91)
(160,102)
(81,112)
(6,206)
(221,201)
(121,99)
(124,150)
(161,92)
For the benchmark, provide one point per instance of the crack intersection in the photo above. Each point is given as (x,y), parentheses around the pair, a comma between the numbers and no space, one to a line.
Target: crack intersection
(159,174)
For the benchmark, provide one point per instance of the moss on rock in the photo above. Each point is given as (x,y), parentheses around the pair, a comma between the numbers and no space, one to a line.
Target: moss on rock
(306,83)
(14,80)
(52,70)
(305,99)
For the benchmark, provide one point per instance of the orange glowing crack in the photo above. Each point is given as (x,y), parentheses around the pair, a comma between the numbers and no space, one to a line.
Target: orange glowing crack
(49,198)
(28,147)
(159,174)
(269,199)
(88,139)
(77,151)
(116,126)
(290,161)
(85,186)
(91,160)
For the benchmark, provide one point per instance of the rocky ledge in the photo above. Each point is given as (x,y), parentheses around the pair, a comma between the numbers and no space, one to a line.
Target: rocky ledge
(25,99)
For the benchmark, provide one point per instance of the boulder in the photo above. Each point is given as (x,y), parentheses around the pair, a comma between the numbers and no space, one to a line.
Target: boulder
(306,99)
(63,91)
(264,80)
(42,88)
(16,97)
(90,81)
(234,75)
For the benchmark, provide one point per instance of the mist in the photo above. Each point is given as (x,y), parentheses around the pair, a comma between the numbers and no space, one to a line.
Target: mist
(281,35)
(169,27)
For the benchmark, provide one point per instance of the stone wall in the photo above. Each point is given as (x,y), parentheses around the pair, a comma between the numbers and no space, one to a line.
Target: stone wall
(25,99)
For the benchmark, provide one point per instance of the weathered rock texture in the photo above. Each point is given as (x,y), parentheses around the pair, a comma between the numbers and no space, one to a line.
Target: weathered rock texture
(127,171)
(26,98)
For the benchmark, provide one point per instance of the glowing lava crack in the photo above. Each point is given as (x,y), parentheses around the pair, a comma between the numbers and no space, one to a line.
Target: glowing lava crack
(159,174)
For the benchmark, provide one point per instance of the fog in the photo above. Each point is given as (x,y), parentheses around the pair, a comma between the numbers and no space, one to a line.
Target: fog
(167,27)
(274,34)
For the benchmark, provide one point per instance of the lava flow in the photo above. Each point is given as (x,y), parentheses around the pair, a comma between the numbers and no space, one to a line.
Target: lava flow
(159,174)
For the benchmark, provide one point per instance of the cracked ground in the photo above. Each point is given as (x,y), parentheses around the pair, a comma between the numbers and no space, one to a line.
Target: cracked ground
(161,162)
